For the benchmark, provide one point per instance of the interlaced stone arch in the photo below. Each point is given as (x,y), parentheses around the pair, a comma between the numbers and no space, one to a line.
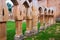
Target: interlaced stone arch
(40,9)
(15,2)
(31,20)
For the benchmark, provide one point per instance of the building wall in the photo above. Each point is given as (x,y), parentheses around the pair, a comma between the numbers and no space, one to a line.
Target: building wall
(43,3)
(58,7)
(51,4)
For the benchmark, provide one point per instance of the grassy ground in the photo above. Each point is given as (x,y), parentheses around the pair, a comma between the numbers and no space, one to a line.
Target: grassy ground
(52,32)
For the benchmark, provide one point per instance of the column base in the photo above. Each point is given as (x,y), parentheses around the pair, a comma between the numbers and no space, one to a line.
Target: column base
(21,37)
(46,26)
(49,25)
(28,33)
(34,32)
(41,28)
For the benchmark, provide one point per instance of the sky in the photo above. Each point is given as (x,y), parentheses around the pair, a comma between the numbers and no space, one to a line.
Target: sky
(9,2)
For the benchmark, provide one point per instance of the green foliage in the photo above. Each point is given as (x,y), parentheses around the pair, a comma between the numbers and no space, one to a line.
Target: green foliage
(10,30)
(44,35)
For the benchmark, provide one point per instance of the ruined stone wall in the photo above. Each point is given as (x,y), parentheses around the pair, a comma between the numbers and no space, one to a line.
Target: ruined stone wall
(51,4)
(58,7)
(43,3)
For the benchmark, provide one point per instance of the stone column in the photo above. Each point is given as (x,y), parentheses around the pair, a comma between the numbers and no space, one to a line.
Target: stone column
(49,17)
(52,18)
(34,20)
(3,31)
(49,20)
(3,19)
(46,21)
(41,23)
(18,16)
(28,18)
(29,22)
(41,19)
(19,35)
(46,17)
(18,27)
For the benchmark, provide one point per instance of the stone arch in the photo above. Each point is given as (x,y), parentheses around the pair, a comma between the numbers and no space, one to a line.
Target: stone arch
(15,2)
(3,19)
(45,10)
(40,9)
(52,11)
(30,1)
(49,11)
(26,4)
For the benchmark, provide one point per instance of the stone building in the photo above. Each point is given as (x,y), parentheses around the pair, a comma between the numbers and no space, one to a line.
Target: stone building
(53,4)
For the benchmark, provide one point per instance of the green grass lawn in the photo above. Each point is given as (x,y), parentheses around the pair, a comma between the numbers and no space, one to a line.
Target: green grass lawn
(51,32)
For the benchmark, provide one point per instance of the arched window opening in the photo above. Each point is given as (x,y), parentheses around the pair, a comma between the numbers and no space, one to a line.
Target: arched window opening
(45,10)
(52,12)
(3,12)
(40,9)
(39,0)
(30,1)
(49,11)
(26,4)
(15,2)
